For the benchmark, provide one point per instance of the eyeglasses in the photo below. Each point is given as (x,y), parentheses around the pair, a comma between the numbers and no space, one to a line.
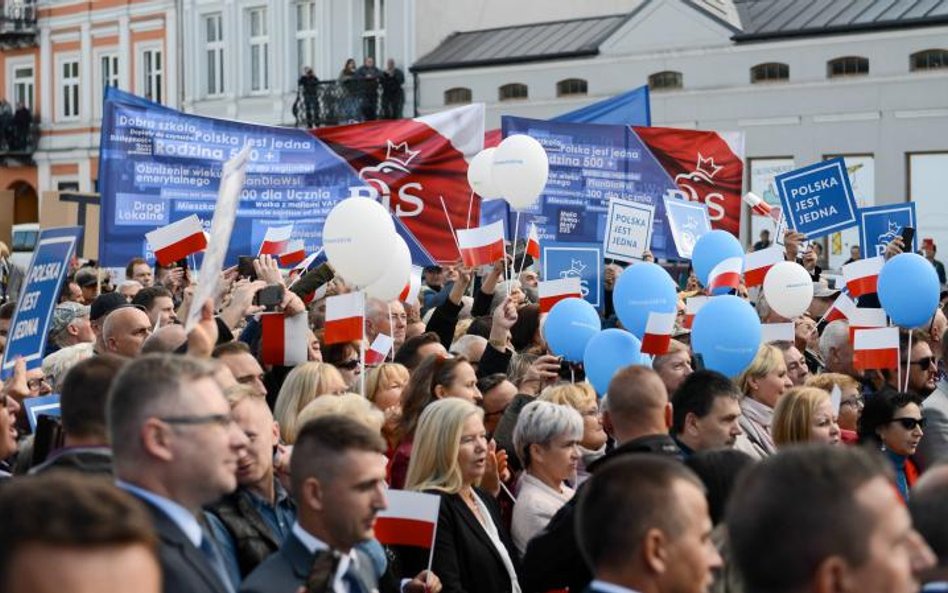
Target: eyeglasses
(34,384)
(223,420)
(910,423)
(349,365)
(856,402)
(926,362)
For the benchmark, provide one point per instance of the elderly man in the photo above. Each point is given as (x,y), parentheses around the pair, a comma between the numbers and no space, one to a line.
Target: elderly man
(797,369)
(70,325)
(836,350)
(129,288)
(179,451)
(706,412)
(674,366)
(385,318)
(125,330)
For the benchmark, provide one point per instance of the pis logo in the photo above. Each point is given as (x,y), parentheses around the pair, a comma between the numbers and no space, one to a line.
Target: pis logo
(386,179)
(700,182)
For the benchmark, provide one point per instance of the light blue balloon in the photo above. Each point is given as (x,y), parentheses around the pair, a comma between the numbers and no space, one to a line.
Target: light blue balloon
(726,333)
(569,326)
(908,290)
(608,352)
(711,249)
(641,289)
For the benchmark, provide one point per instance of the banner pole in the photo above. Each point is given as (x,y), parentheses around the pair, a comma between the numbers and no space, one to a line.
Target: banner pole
(391,329)
(470,208)
(362,353)
(513,244)
(450,226)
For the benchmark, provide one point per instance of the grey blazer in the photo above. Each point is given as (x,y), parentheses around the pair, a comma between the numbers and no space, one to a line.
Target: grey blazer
(934,444)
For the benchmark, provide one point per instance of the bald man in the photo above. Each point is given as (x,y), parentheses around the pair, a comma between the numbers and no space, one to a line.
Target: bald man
(167,338)
(125,330)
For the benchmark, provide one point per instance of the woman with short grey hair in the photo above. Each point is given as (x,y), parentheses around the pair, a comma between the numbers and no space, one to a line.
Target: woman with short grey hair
(545,439)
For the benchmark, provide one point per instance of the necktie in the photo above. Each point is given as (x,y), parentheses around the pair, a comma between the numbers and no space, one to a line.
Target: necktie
(322,572)
(352,580)
(217,564)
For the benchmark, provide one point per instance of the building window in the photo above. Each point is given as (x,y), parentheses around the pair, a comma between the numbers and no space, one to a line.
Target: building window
(663,81)
(847,66)
(373,31)
(306,34)
(457,95)
(23,85)
(214,53)
(770,72)
(107,76)
(571,86)
(152,75)
(69,89)
(513,91)
(930,59)
(259,50)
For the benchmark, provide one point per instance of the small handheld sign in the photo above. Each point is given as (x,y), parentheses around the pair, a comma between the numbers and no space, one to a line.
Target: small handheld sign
(878,226)
(628,230)
(818,199)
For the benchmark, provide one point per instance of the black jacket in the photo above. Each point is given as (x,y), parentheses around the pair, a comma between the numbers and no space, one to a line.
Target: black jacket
(552,559)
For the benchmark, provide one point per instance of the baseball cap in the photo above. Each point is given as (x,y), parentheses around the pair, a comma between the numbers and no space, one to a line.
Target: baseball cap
(87,277)
(66,313)
(821,290)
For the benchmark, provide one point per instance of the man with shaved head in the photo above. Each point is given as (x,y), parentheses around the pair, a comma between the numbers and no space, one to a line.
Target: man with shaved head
(167,338)
(637,414)
(125,330)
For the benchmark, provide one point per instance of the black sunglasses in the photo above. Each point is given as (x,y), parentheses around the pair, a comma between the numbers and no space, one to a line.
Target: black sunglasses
(910,423)
(924,362)
(349,365)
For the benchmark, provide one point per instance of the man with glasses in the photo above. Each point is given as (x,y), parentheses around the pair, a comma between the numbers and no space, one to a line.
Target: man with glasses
(176,447)
(934,447)
(920,366)
(387,318)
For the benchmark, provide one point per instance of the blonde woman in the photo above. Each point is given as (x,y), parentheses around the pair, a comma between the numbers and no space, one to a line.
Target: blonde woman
(473,552)
(383,388)
(762,384)
(304,384)
(850,405)
(350,405)
(805,415)
(582,398)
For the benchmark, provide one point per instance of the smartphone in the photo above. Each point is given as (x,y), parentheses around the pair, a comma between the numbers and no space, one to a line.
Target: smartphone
(48,437)
(182,263)
(245,267)
(269,296)
(908,235)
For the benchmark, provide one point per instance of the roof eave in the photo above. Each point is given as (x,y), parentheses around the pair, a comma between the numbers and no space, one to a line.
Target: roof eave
(504,61)
(842,30)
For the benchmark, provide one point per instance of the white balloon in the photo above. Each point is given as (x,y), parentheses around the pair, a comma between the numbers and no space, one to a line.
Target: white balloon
(520,170)
(356,232)
(395,276)
(479,174)
(788,289)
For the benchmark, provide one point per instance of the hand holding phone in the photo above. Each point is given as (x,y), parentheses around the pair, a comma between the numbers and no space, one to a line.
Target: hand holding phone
(908,236)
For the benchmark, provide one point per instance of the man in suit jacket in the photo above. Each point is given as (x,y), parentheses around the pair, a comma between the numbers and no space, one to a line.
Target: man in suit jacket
(643,525)
(934,445)
(338,481)
(176,448)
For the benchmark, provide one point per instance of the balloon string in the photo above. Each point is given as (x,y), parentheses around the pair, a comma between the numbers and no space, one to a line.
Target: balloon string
(391,328)
(450,226)
(908,361)
(514,244)
(470,207)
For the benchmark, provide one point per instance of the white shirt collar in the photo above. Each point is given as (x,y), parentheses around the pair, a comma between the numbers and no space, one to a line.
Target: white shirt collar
(313,544)
(181,516)
(609,587)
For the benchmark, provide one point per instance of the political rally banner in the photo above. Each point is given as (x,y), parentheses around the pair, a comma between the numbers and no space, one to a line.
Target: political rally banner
(688,222)
(628,230)
(818,199)
(158,165)
(38,297)
(879,225)
(575,260)
(591,164)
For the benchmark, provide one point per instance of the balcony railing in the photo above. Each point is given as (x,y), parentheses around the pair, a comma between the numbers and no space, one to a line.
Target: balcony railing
(346,102)
(17,142)
(17,24)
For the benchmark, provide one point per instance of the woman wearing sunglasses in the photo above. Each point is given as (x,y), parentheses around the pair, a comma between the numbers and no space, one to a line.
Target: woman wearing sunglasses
(893,422)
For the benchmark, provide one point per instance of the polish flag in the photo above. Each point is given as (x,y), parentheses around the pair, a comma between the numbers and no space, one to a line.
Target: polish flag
(554,291)
(725,276)
(757,205)
(276,240)
(758,263)
(312,260)
(862,275)
(533,242)
(692,306)
(379,350)
(776,332)
(843,308)
(284,338)
(866,319)
(344,318)
(483,245)
(410,292)
(294,254)
(876,348)
(319,293)
(177,240)
(658,333)
(409,520)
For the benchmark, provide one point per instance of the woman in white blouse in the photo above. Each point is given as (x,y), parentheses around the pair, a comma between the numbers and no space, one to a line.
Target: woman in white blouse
(545,438)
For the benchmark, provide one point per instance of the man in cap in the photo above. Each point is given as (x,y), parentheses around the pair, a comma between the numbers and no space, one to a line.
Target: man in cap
(71,325)
(89,280)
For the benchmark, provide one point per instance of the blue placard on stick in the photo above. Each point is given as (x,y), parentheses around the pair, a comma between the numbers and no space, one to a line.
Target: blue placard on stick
(880,224)
(38,297)
(818,199)
(689,221)
(576,260)
(48,405)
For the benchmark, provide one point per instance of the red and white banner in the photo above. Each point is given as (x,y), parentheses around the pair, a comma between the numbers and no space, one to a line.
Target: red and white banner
(276,240)
(658,333)
(862,275)
(483,245)
(865,319)
(758,263)
(410,519)
(725,276)
(876,349)
(379,350)
(554,291)
(413,288)
(776,332)
(295,253)
(533,242)
(284,338)
(843,308)
(344,318)
(177,240)
(692,306)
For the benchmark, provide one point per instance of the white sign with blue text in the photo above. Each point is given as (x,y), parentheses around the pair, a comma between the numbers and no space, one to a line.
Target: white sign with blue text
(878,226)
(818,199)
(688,221)
(628,230)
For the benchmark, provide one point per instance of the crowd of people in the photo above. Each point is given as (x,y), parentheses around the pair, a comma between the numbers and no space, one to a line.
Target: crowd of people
(181,462)
(363,93)
(15,126)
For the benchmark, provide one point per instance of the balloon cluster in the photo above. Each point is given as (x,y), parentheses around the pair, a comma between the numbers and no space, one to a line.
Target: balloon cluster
(517,171)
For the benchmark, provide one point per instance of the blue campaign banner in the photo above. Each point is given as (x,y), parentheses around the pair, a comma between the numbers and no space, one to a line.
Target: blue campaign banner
(818,199)
(575,260)
(47,405)
(631,108)
(689,221)
(880,224)
(38,297)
